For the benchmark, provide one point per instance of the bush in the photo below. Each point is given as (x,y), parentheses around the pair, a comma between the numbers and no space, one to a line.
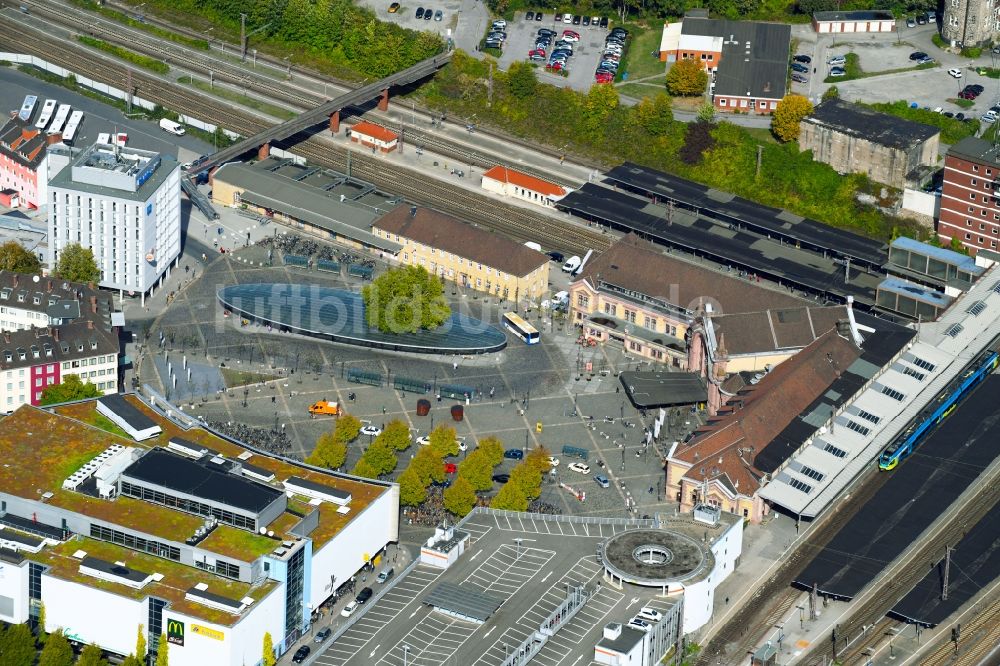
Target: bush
(939,41)
(146,62)
(697,140)
(687,78)
(972,52)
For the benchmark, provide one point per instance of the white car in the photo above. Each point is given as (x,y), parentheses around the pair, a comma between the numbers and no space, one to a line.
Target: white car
(580,467)
(349,609)
(373,431)
(423,441)
(640,624)
(988,117)
(955,72)
(837,61)
(462,446)
(649,614)
(554,461)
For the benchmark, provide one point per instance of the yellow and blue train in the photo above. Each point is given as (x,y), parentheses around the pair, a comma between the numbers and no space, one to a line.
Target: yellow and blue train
(945,403)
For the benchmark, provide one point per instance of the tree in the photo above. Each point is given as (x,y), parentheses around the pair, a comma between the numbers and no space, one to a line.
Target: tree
(91,656)
(71,388)
(600,103)
(267,658)
(412,492)
(347,429)
(381,457)
(655,114)
(477,470)
(140,643)
(510,498)
(396,435)
(427,465)
(786,119)
(132,660)
(492,448)
(17,646)
(697,139)
(528,480)
(706,113)
(76,263)
(443,441)
(162,651)
(41,607)
(830,93)
(459,498)
(329,452)
(687,78)
(57,651)
(521,80)
(405,300)
(13,257)
(364,469)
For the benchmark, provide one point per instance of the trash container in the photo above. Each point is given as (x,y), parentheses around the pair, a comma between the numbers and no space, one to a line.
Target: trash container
(457,412)
(423,407)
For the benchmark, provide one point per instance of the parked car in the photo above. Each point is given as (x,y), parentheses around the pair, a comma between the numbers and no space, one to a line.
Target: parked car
(576,20)
(501,478)
(918,55)
(322,635)
(586,20)
(350,609)
(301,654)
(925,61)
(419,13)
(619,31)
(837,61)
(545,32)
(921,19)
(556,256)
(649,614)
(538,16)
(595,21)
(514,454)
(976,88)
(384,575)
(838,71)
(640,624)
(450,468)
(799,78)
(803,59)
(393,8)
(554,461)
(529,16)
(582,468)
(571,36)
(959,116)
(537,53)
(371,430)
(438,15)
(796,67)
(364,595)
(603,77)
(911,22)
(500,23)
(955,72)
(428,14)
(604,22)
(602,481)
(567,18)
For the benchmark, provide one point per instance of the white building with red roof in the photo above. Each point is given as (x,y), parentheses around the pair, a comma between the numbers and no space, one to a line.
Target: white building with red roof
(374,136)
(511,183)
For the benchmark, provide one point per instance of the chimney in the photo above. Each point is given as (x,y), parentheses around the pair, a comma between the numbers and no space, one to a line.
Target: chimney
(48,286)
(54,138)
(93,303)
(16,280)
(90,325)
(55,333)
(6,337)
(93,287)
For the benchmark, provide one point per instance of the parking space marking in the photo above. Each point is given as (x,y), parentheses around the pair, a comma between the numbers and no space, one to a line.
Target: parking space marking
(431,642)
(508,568)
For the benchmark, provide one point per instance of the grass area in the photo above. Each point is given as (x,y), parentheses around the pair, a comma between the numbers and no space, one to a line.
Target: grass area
(240,544)
(962,103)
(640,90)
(234,377)
(952,131)
(637,61)
(234,96)
(104,423)
(762,134)
(939,41)
(114,15)
(988,72)
(146,62)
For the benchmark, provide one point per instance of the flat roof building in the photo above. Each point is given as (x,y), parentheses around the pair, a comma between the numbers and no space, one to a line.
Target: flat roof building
(203,550)
(135,197)
(969,215)
(459,252)
(855,139)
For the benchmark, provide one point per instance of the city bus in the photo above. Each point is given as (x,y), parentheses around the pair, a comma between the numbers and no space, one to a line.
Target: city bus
(522,329)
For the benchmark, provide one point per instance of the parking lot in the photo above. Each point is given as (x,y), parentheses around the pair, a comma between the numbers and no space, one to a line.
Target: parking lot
(521,38)
(531,577)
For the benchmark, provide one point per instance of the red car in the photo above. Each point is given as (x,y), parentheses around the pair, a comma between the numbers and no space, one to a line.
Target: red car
(554,67)
(536,52)
(450,468)
(571,36)
(603,78)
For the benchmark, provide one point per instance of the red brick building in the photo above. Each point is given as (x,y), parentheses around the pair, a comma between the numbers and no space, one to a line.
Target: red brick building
(23,160)
(970,209)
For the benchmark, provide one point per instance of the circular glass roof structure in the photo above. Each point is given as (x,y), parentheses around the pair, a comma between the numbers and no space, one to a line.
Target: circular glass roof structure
(338,315)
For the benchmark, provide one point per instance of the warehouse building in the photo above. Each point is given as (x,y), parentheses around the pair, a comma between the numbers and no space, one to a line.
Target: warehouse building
(856,21)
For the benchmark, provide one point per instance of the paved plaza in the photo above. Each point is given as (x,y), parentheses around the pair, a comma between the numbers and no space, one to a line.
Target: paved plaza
(528,396)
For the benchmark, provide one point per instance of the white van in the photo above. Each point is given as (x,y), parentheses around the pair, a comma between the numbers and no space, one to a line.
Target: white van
(571,264)
(171,127)
(534,246)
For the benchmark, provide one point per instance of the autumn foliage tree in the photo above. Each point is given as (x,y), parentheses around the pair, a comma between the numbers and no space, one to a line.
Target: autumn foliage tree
(13,257)
(687,78)
(460,497)
(329,452)
(787,117)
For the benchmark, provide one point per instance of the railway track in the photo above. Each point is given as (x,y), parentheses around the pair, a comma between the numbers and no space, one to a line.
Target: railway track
(773,598)
(498,216)
(980,636)
(285,93)
(904,573)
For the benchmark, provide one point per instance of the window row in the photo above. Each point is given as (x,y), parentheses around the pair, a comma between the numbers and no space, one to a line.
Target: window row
(135,542)
(189,506)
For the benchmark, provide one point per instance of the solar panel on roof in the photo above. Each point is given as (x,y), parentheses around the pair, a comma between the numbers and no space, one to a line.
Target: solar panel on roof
(954,330)
(976,308)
